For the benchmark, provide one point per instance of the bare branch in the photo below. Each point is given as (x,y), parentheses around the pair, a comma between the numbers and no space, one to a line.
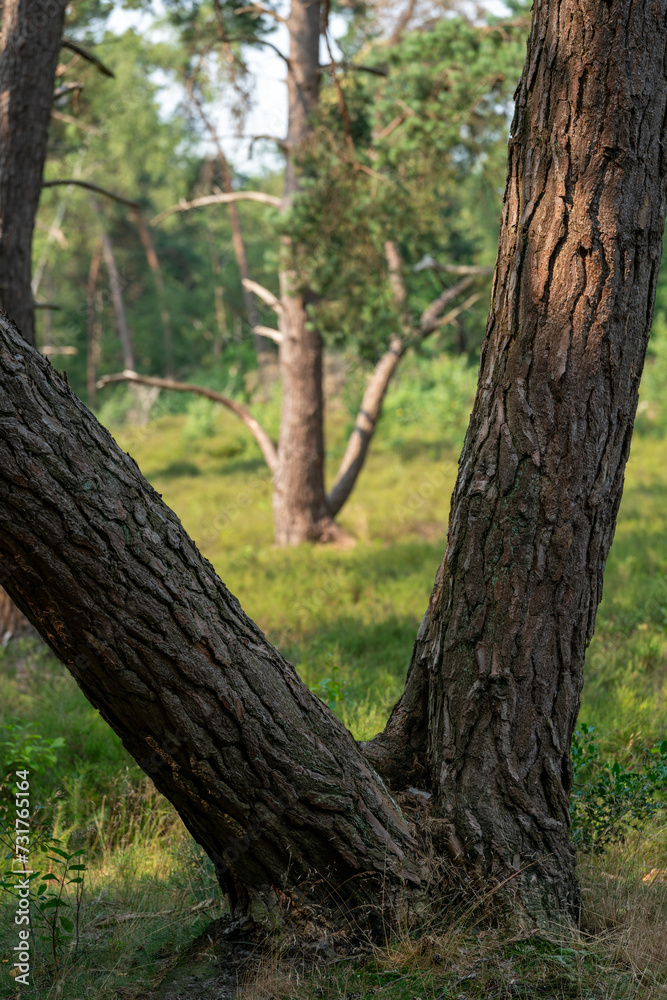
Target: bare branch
(282,143)
(268,331)
(61,116)
(357,67)
(430,318)
(92,187)
(257,8)
(427,263)
(259,41)
(267,297)
(267,447)
(67,88)
(453,313)
(217,199)
(373,398)
(54,349)
(46,305)
(88,56)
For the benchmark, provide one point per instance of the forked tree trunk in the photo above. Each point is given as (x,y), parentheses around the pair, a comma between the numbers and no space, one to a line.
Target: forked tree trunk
(495,682)
(264,776)
(29,47)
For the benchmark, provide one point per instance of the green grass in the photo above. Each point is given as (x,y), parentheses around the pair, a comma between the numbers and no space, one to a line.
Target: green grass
(347,618)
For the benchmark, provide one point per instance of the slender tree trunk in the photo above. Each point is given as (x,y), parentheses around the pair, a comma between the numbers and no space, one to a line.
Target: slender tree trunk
(93,327)
(29,47)
(154,264)
(263,348)
(265,777)
(299,500)
(117,300)
(496,677)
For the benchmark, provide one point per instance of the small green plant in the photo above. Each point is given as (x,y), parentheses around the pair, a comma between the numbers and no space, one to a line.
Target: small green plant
(57,917)
(25,750)
(333,690)
(608,798)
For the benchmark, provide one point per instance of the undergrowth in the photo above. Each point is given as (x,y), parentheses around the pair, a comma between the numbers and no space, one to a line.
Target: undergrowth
(347,618)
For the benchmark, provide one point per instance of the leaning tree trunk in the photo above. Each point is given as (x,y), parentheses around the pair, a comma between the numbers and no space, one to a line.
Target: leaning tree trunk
(495,681)
(29,47)
(264,776)
(299,501)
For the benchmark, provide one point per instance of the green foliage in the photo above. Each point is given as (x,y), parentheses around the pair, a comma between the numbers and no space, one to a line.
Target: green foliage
(426,171)
(609,797)
(50,910)
(334,689)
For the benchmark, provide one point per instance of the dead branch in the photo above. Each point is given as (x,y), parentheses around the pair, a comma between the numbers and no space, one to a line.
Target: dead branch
(67,88)
(267,297)
(61,116)
(376,389)
(268,331)
(356,67)
(217,199)
(88,56)
(257,8)
(92,187)
(266,445)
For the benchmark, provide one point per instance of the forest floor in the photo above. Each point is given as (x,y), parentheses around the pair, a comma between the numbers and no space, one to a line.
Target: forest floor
(347,618)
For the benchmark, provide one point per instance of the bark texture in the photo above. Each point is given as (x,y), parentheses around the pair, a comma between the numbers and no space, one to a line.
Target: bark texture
(29,46)
(541,474)
(265,777)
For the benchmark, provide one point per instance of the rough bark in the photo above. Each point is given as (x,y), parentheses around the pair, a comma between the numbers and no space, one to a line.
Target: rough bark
(29,45)
(541,473)
(264,776)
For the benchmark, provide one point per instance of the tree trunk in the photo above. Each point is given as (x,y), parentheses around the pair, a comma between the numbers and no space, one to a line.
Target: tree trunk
(29,47)
(93,327)
(117,300)
(12,621)
(264,776)
(154,264)
(299,501)
(497,675)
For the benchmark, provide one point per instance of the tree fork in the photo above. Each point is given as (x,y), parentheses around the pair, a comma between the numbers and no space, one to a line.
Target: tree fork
(264,776)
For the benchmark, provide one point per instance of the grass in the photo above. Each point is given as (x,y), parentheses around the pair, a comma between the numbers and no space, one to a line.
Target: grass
(347,618)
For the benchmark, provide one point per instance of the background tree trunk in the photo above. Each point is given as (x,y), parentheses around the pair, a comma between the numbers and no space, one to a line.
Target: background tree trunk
(264,776)
(502,647)
(299,501)
(29,47)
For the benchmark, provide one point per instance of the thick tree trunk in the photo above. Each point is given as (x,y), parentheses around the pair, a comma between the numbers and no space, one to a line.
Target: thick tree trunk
(500,664)
(299,501)
(265,777)
(29,47)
